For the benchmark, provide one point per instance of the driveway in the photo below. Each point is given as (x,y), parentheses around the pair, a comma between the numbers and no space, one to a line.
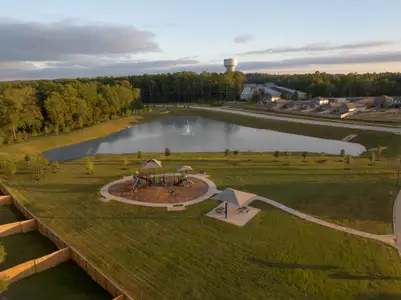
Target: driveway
(304,121)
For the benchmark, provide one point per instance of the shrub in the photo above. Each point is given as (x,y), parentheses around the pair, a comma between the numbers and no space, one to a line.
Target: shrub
(235,152)
(167,152)
(342,153)
(55,167)
(227,152)
(90,166)
(139,154)
(304,155)
(10,168)
(39,172)
(276,154)
(28,159)
(125,162)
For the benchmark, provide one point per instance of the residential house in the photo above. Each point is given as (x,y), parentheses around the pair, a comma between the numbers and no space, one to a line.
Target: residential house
(283,103)
(345,108)
(320,100)
(383,101)
(307,104)
(364,102)
(329,106)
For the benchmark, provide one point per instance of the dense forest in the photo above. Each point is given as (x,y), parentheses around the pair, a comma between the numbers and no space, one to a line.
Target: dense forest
(335,85)
(30,108)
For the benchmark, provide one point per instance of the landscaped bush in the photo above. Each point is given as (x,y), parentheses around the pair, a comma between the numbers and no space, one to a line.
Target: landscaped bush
(10,168)
(90,166)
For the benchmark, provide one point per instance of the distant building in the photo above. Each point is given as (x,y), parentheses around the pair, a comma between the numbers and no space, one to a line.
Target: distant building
(383,101)
(345,108)
(365,102)
(320,100)
(307,104)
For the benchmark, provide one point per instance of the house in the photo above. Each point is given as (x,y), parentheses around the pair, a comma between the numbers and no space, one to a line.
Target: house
(345,108)
(365,102)
(383,101)
(320,100)
(329,106)
(307,104)
(290,92)
(283,103)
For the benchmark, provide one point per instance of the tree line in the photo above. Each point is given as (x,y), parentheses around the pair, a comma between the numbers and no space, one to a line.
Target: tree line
(335,85)
(54,106)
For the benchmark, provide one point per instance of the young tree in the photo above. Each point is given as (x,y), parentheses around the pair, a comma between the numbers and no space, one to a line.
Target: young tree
(304,155)
(226,152)
(342,153)
(372,158)
(379,151)
(10,168)
(276,155)
(125,162)
(139,154)
(167,152)
(90,166)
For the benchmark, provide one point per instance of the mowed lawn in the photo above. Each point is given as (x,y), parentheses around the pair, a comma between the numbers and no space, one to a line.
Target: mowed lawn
(155,254)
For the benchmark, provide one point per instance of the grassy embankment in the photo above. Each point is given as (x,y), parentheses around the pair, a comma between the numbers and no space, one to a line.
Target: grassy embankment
(157,254)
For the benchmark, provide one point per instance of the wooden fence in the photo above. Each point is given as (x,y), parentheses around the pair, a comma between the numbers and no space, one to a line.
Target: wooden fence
(105,282)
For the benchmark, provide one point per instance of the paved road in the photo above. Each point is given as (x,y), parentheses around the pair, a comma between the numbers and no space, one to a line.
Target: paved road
(305,121)
(397,221)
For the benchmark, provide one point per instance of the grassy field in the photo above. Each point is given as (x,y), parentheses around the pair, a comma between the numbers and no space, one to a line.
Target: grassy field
(156,254)
(63,282)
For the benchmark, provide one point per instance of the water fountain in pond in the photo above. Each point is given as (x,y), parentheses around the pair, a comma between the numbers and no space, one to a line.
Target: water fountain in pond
(187,129)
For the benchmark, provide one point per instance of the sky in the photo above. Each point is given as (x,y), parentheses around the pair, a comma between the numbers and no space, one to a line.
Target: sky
(88,38)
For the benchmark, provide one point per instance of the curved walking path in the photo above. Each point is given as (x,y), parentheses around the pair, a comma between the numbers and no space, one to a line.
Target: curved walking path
(388,239)
(304,121)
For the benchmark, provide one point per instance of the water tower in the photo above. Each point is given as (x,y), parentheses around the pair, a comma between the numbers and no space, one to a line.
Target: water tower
(230,64)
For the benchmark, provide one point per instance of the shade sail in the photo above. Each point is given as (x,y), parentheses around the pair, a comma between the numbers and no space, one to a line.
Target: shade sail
(235,197)
(184,168)
(151,164)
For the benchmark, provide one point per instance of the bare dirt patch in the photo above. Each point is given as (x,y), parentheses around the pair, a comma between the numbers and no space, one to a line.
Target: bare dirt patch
(160,193)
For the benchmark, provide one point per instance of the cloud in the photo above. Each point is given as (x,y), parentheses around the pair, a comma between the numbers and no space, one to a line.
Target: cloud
(30,41)
(242,39)
(107,67)
(318,47)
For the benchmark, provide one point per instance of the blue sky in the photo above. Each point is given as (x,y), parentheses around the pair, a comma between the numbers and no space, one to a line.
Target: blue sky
(298,36)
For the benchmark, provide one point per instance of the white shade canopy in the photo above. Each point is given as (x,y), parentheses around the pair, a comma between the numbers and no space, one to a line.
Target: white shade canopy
(184,168)
(238,198)
(151,164)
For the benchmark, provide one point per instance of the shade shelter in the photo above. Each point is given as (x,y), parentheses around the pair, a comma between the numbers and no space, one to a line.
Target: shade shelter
(184,169)
(151,164)
(235,197)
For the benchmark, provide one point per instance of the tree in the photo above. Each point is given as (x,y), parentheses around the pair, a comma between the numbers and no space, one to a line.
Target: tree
(125,162)
(167,152)
(90,166)
(235,152)
(304,155)
(348,160)
(342,153)
(3,282)
(276,155)
(372,158)
(139,154)
(379,151)
(226,152)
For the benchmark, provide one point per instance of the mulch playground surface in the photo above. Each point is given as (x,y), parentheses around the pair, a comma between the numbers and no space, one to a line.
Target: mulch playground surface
(160,193)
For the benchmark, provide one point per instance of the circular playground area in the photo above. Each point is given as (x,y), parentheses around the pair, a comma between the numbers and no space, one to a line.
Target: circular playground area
(168,190)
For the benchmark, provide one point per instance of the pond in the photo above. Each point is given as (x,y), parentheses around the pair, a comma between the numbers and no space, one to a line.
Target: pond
(198,134)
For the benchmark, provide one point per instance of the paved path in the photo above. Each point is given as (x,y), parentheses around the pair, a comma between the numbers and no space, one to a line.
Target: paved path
(304,121)
(388,239)
(397,221)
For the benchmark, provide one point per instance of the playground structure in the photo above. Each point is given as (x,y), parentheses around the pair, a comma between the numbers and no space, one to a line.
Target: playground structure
(159,189)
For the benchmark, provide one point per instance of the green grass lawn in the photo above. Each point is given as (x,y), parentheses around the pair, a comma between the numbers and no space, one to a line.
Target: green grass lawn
(23,247)
(63,282)
(9,214)
(156,254)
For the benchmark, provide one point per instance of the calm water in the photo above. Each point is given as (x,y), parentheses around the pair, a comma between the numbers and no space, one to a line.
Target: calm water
(197,134)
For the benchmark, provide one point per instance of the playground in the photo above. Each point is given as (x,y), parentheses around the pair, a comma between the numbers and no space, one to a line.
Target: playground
(160,189)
